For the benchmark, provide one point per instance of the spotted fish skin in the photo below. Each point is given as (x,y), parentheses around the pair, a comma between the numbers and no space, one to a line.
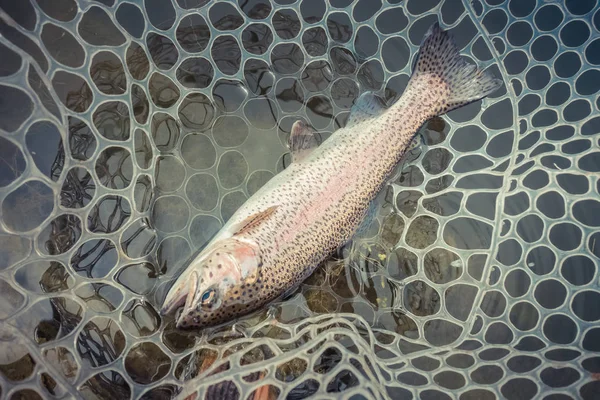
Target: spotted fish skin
(302,215)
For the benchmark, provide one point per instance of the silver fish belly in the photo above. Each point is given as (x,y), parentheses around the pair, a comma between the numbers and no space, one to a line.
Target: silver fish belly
(300,217)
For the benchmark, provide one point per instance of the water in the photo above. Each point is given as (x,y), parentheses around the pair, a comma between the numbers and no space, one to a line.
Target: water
(130,132)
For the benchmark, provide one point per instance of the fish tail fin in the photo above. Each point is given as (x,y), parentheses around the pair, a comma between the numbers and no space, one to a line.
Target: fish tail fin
(449,80)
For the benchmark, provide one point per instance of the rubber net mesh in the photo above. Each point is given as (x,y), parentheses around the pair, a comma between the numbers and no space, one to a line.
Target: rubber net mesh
(131,130)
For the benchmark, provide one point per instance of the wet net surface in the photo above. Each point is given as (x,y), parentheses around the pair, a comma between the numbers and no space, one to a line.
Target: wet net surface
(130,131)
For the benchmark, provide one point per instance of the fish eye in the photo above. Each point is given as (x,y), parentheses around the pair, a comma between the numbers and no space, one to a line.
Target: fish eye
(207,297)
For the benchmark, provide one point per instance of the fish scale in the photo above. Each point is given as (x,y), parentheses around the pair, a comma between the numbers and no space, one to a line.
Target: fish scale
(301,216)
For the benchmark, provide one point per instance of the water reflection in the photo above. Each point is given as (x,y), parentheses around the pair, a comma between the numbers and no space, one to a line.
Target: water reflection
(458,256)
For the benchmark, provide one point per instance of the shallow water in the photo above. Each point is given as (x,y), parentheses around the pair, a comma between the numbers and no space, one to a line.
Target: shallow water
(131,131)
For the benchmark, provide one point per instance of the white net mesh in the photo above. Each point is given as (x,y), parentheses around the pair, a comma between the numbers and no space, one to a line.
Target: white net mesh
(130,131)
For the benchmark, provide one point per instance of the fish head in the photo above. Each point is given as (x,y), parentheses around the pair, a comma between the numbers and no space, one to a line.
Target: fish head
(221,284)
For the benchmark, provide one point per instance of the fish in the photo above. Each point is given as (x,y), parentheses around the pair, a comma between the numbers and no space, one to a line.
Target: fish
(275,240)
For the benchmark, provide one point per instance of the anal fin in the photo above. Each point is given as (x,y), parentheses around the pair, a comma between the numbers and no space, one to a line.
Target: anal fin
(370,215)
(303,140)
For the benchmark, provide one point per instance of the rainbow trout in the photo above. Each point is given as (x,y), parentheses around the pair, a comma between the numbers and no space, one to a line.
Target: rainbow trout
(303,214)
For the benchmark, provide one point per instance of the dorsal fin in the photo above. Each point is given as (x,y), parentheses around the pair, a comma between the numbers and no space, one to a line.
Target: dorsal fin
(303,140)
(367,106)
(253,220)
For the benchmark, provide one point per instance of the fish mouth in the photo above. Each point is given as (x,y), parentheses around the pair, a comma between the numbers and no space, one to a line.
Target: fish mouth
(190,295)
(179,324)
(179,294)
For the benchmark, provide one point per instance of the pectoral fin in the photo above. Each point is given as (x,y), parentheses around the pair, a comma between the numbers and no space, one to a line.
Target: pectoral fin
(303,140)
(366,107)
(253,220)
